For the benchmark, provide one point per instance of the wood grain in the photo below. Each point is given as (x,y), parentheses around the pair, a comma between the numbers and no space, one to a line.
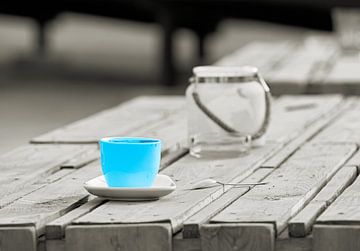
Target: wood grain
(183,202)
(119,237)
(290,186)
(343,76)
(192,224)
(31,187)
(83,159)
(345,209)
(172,131)
(324,120)
(291,115)
(56,228)
(18,238)
(255,237)
(171,156)
(301,224)
(118,121)
(313,66)
(355,161)
(263,55)
(294,72)
(28,164)
(50,202)
(345,129)
(336,237)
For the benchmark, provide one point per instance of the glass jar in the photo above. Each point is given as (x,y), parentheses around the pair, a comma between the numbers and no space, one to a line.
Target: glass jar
(228,110)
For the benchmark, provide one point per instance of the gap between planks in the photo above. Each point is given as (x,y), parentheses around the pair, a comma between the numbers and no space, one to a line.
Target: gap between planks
(187,171)
(191,228)
(56,228)
(338,227)
(301,224)
(266,151)
(290,187)
(282,243)
(191,225)
(137,113)
(26,167)
(324,121)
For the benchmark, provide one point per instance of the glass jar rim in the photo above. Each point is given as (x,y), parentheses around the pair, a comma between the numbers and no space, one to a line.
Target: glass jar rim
(224,71)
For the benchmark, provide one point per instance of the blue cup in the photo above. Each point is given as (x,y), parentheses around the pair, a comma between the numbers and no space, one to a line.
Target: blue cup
(130,162)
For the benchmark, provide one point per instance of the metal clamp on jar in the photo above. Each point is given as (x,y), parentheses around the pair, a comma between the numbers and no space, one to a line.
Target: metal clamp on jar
(228,110)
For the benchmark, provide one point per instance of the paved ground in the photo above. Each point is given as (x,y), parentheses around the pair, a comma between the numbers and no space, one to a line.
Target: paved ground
(95,63)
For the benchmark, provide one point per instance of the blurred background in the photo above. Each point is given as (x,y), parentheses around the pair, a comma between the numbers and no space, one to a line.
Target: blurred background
(61,63)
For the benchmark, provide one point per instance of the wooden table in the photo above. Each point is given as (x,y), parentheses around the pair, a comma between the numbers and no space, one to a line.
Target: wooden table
(310,162)
(312,66)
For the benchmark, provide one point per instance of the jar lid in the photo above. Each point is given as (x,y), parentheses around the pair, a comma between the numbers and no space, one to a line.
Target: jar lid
(224,71)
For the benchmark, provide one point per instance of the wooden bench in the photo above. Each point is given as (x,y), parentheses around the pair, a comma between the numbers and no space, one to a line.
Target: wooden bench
(310,162)
(315,65)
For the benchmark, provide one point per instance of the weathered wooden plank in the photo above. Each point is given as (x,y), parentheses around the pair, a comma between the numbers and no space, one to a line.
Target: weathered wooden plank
(281,244)
(290,186)
(31,163)
(309,132)
(172,131)
(83,159)
(118,121)
(172,156)
(47,203)
(192,225)
(31,187)
(343,77)
(323,67)
(182,203)
(119,237)
(301,224)
(256,237)
(263,55)
(345,70)
(56,228)
(345,129)
(18,238)
(294,72)
(313,66)
(336,237)
(247,54)
(355,161)
(345,209)
(291,115)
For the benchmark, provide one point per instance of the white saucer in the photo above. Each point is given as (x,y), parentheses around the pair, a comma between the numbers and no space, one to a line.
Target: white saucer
(162,186)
